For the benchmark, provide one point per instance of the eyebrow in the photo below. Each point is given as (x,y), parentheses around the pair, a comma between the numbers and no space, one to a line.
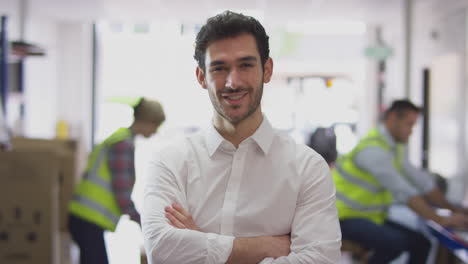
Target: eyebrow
(242,59)
(248,58)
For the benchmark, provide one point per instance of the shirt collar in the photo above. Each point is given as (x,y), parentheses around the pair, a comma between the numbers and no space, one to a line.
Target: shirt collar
(263,136)
(213,139)
(384,132)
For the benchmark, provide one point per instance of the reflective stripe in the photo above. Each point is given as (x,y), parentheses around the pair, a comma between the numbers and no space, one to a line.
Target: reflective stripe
(97,207)
(97,164)
(356,181)
(360,207)
(94,177)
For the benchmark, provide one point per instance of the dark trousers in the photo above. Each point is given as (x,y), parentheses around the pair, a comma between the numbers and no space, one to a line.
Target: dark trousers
(386,241)
(90,239)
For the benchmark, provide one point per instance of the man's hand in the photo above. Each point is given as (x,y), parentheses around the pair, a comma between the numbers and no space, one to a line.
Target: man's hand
(461,210)
(456,220)
(180,218)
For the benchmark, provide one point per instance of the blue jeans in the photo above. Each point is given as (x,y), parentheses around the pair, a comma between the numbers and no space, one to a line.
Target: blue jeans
(386,241)
(90,239)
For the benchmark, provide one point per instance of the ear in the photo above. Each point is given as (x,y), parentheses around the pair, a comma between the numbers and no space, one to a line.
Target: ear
(390,120)
(268,70)
(201,77)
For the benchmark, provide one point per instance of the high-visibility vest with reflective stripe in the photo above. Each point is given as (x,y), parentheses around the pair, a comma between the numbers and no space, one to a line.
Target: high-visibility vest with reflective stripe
(94,200)
(358,193)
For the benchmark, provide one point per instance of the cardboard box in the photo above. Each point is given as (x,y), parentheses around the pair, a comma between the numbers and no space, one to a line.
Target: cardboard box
(29,207)
(69,171)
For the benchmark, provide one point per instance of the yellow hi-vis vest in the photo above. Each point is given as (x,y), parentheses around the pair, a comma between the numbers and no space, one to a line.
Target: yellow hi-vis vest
(94,200)
(358,193)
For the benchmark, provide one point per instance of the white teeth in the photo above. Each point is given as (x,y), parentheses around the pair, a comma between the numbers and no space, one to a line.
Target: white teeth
(234,97)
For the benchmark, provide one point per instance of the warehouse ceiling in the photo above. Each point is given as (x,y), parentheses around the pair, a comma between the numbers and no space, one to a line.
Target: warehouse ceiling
(270,10)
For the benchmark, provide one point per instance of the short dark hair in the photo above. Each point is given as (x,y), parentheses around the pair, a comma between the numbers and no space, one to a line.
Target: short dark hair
(230,24)
(400,107)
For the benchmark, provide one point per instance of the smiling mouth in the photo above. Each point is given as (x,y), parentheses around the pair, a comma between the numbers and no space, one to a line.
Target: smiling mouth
(234,98)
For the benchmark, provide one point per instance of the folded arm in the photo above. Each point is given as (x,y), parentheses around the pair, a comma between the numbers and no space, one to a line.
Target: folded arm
(167,241)
(245,250)
(163,242)
(315,233)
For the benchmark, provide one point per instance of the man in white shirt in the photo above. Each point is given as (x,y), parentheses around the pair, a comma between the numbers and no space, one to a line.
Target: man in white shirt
(239,191)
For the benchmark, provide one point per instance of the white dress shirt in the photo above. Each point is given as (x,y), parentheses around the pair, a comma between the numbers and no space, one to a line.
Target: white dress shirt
(269,185)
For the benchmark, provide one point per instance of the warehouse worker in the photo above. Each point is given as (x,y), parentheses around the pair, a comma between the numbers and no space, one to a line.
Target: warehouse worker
(104,193)
(376,173)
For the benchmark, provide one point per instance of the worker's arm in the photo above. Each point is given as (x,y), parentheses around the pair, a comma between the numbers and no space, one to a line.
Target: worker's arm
(426,184)
(421,207)
(436,197)
(400,187)
(120,160)
(378,162)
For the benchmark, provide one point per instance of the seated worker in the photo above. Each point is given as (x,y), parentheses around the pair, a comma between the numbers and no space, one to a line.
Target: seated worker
(376,173)
(238,191)
(104,193)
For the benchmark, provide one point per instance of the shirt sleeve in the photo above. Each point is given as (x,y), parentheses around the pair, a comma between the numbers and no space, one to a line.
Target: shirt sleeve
(420,178)
(120,159)
(165,244)
(315,233)
(385,172)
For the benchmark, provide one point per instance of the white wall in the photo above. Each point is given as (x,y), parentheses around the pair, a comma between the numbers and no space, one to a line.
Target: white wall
(57,85)
(10,8)
(39,72)
(440,44)
(40,80)
(74,78)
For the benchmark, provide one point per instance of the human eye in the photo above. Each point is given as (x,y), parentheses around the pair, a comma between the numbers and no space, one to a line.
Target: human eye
(245,65)
(219,68)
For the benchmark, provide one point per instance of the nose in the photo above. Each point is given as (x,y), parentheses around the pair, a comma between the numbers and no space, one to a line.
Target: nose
(233,79)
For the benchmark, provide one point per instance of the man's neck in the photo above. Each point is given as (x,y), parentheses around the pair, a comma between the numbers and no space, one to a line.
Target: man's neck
(236,133)
(387,134)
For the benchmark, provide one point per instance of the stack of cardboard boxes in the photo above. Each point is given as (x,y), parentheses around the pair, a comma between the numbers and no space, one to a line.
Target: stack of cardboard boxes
(36,183)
